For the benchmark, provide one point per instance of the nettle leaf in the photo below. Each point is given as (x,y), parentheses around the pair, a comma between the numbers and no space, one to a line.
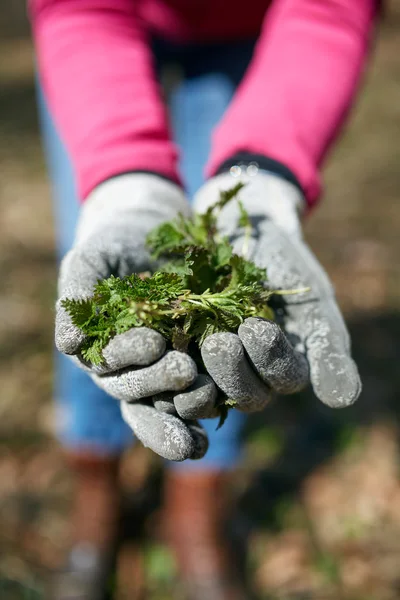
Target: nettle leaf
(126,320)
(223,254)
(180,339)
(245,272)
(107,289)
(209,218)
(165,238)
(244,219)
(189,322)
(163,286)
(93,353)
(203,273)
(81,311)
(227,195)
(160,288)
(209,326)
(197,231)
(181,268)
(266,312)
(223,410)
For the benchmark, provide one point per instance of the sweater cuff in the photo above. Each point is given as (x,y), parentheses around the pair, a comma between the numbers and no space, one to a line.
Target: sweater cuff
(157,157)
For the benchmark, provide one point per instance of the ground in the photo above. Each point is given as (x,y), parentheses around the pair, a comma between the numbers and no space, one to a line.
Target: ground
(318,491)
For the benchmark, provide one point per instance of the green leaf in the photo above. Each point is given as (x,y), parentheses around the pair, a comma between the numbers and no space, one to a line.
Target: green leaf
(180,339)
(189,322)
(93,353)
(181,268)
(164,239)
(198,230)
(223,410)
(266,312)
(245,272)
(207,327)
(126,320)
(209,218)
(223,254)
(80,311)
(203,274)
(244,219)
(227,195)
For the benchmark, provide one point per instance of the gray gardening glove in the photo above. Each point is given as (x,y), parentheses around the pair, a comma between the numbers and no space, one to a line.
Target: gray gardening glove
(110,240)
(316,344)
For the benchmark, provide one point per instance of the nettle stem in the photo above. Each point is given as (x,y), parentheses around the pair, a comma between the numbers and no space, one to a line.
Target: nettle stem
(291,292)
(246,242)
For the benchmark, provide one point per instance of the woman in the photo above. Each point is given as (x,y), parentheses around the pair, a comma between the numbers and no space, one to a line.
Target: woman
(256,92)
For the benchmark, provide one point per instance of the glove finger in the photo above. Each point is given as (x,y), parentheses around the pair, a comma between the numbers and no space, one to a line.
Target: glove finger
(273,357)
(198,401)
(165,434)
(76,281)
(224,358)
(164,402)
(313,317)
(200,439)
(174,372)
(333,373)
(68,337)
(140,346)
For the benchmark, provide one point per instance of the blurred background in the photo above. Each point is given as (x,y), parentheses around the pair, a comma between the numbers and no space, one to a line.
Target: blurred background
(318,491)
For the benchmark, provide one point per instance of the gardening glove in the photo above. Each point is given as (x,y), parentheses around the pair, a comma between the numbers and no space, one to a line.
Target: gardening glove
(110,240)
(314,344)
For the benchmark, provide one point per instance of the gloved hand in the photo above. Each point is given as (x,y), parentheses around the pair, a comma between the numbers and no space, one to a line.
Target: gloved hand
(316,347)
(110,240)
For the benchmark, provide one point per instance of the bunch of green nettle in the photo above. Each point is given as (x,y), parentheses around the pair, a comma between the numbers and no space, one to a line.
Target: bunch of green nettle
(200,288)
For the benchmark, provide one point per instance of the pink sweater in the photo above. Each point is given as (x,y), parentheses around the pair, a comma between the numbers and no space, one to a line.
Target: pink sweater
(97,70)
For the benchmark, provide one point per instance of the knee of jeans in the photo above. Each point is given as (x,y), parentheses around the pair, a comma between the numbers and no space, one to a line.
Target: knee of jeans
(85,415)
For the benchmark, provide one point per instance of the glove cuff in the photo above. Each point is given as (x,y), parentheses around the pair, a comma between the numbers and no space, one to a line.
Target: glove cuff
(127,196)
(250,164)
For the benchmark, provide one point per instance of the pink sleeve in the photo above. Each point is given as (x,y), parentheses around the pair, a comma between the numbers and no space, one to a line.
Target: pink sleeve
(299,86)
(97,71)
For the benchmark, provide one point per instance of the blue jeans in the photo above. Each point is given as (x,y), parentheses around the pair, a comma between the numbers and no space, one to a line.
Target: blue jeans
(87,418)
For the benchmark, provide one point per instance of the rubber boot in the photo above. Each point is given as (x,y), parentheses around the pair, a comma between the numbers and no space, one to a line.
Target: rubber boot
(197,509)
(94,529)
